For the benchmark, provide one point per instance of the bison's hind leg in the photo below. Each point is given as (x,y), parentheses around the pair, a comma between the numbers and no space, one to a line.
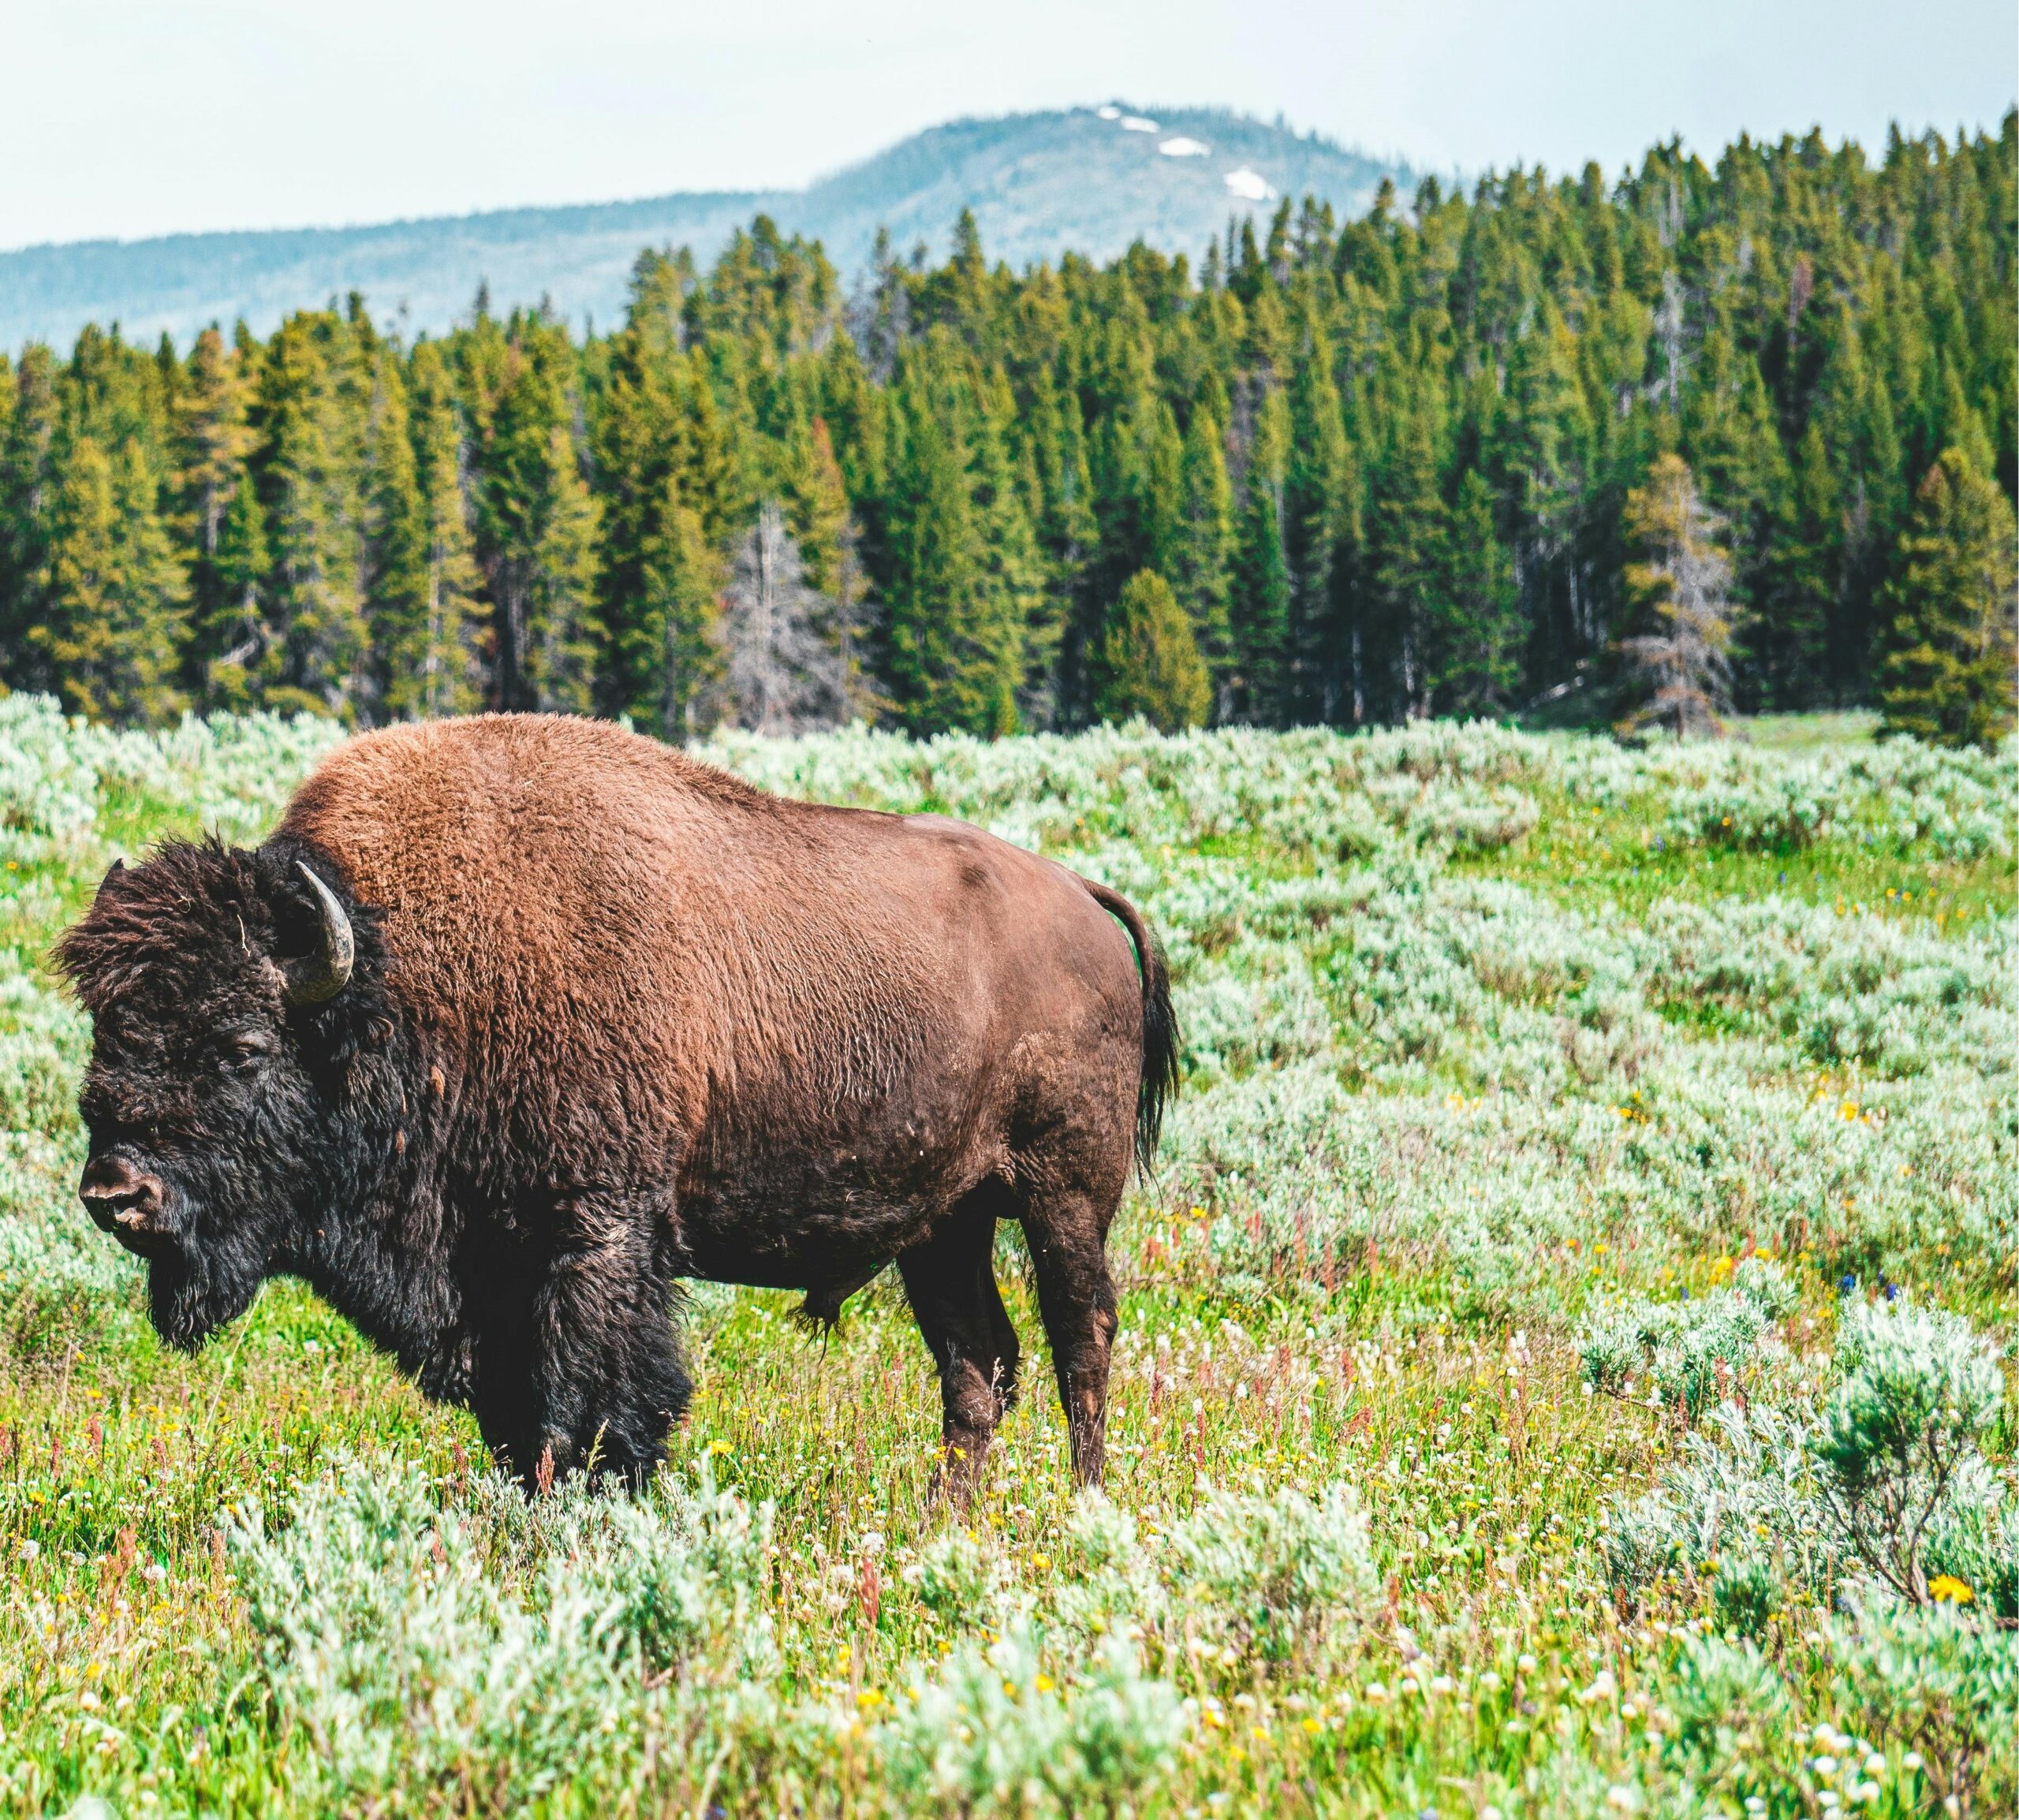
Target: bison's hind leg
(949,1280)
(1065,1222)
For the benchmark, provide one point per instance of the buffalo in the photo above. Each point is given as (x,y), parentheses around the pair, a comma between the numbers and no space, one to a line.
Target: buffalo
(515,1021)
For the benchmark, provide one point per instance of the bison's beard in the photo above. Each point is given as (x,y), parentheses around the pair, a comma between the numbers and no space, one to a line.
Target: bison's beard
(192,1292)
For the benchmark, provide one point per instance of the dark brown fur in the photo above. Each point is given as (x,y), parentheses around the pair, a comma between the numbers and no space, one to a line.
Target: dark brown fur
(618,1018)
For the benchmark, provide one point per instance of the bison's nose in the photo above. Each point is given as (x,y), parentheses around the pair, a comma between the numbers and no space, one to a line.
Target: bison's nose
(120,1197)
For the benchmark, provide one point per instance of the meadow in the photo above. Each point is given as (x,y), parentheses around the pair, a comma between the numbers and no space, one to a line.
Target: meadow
(1564,1363)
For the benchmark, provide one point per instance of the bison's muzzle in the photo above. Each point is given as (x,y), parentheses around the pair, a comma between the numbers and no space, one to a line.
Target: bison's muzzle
(125,1201)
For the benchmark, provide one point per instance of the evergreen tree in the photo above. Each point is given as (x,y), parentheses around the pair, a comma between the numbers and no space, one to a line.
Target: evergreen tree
(1068,531)
(1386,466)
(312,413)
(671,488)
(536,522)
(1787,641)
(933,564)
(1539,447)
(1202,550)
(235,628)
(1474,630)
(30,479)
(956,611)
(1408,538)
(1261,606)
(1149,661)
(111,633)
(1012,627)
(664,650)
(1162,482)
(1315,497)
(427,639)
(395,539)
(814,496)
(827,541)
(1731,440)
(1948,674)
(557,649)
(213,445)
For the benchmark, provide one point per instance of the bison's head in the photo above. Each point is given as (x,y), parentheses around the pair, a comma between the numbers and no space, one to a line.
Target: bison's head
(215,979)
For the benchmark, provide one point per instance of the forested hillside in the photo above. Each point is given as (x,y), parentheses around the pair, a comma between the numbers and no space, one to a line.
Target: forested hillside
(1467,454)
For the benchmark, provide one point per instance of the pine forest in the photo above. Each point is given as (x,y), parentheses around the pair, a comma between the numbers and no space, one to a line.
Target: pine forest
(1729,436)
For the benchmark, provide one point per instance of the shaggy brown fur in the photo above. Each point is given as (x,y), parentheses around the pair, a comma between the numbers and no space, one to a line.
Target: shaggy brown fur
(617,1018)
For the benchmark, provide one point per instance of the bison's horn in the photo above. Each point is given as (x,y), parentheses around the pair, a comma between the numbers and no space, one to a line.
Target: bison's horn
(324,974)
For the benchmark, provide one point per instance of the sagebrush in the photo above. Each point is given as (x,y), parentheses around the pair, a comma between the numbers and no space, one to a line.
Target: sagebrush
(1564,1363)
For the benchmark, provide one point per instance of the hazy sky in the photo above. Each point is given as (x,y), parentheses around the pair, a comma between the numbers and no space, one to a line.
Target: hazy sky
(128,117)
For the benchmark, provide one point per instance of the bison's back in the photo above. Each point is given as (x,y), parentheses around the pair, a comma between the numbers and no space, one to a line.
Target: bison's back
(638,955)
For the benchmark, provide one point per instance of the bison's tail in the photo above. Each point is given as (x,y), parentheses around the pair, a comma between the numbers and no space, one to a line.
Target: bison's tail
(1159,1080)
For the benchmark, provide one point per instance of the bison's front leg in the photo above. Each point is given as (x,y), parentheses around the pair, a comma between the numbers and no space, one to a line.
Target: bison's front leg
(592,1379)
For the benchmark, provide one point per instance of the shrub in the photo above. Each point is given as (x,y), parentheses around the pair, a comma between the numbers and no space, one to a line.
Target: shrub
(48,783)
(1920,1388)
(1731,1708)
(1745,1486)
(1275,1575)
(407,1663)
(1941,1682)
(1884,1490)
(1688,1354)
(990,1732)
(1783,812)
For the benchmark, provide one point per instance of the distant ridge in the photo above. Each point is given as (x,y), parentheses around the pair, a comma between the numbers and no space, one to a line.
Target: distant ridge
(1084,180)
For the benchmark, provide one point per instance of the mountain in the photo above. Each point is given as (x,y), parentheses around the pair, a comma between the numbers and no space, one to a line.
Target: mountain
(1089,180)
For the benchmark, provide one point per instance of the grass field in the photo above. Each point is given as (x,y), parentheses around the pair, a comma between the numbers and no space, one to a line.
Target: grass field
(1561,1367)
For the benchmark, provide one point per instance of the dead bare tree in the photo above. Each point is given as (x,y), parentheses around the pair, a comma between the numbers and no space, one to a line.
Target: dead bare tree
(1685,663)
(786,646)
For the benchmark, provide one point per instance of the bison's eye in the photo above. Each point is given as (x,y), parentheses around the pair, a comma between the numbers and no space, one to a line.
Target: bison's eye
(246,1049)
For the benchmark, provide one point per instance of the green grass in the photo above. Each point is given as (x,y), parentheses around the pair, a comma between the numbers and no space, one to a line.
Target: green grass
(1622,854)
(1386,1356)
(1806,732)
(126,1458)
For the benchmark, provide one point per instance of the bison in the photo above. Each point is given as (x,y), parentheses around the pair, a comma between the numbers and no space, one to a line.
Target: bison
(516,1020)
